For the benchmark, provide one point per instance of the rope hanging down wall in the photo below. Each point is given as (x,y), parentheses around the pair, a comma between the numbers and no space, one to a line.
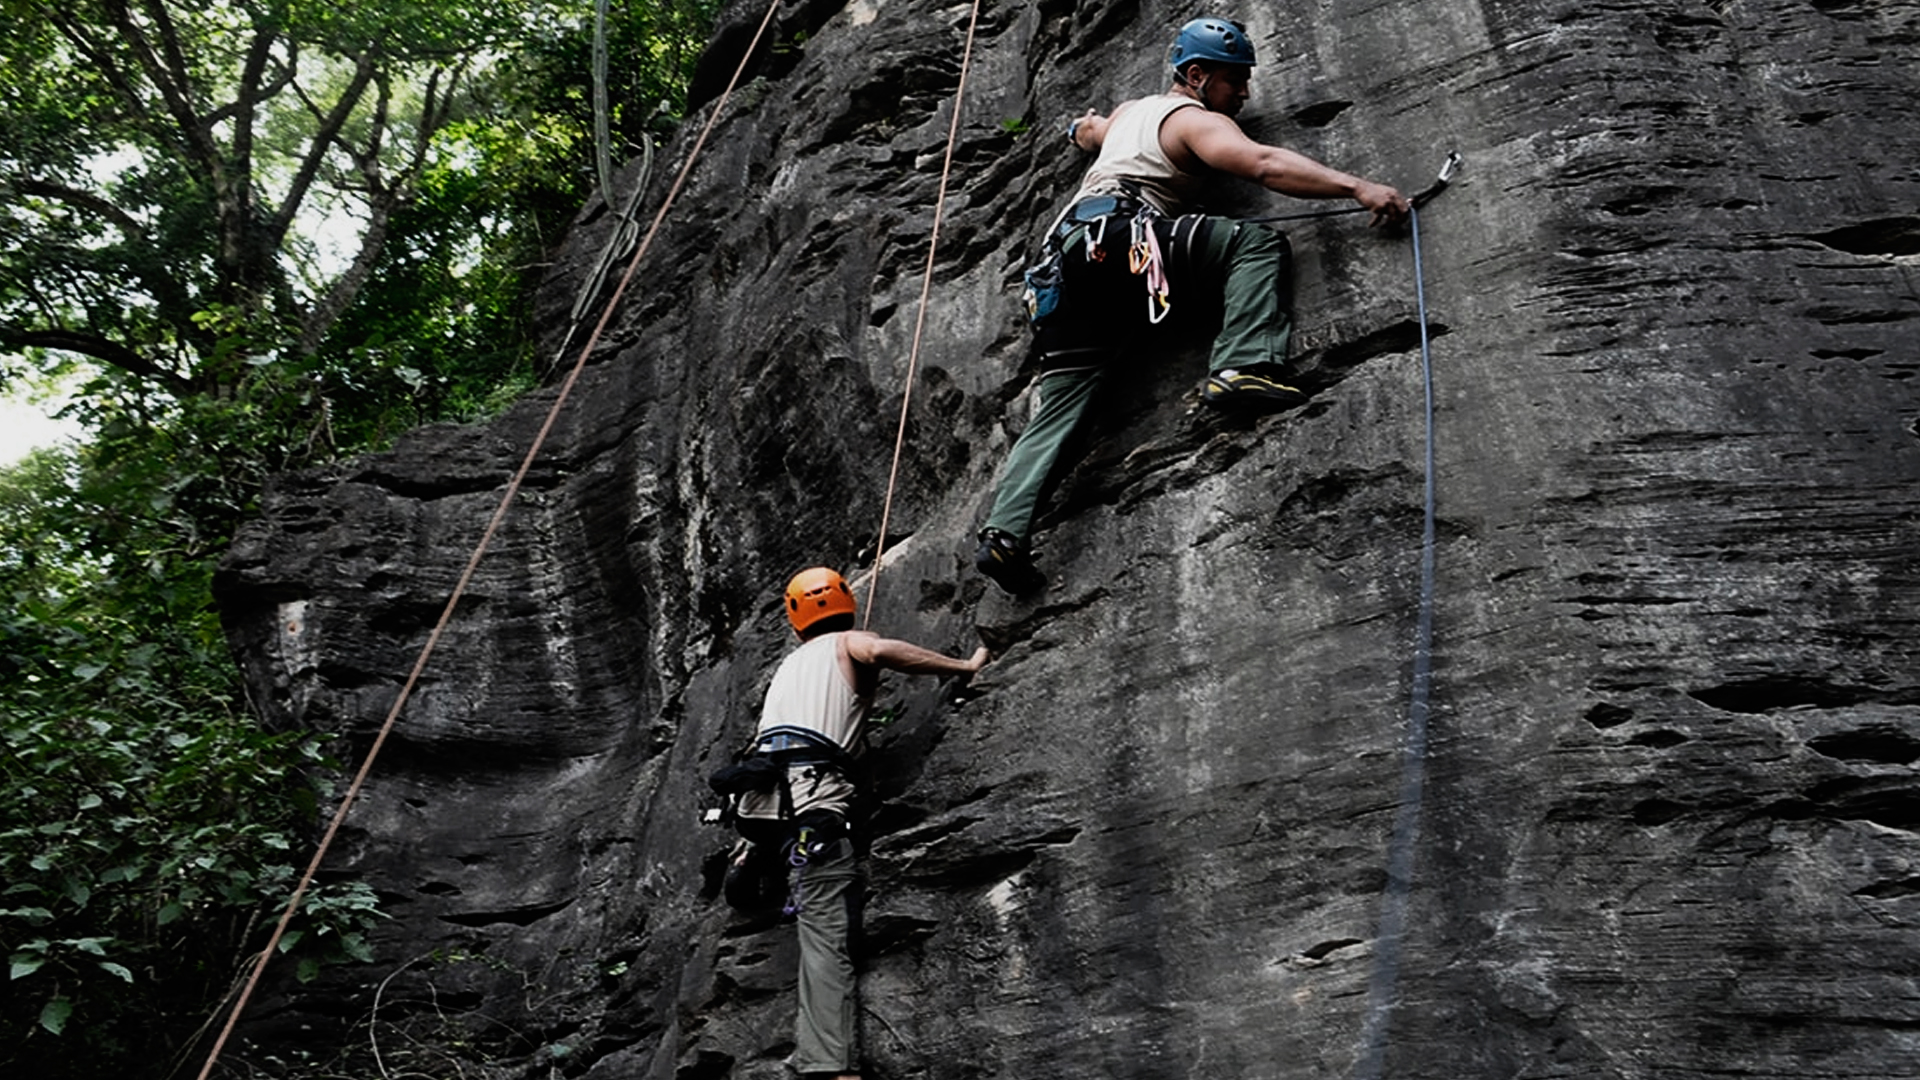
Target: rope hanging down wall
(920,318)
(466,576)
(1383,982)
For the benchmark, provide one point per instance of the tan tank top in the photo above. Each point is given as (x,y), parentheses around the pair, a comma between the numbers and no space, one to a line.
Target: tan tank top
(1131,151)
(809,690)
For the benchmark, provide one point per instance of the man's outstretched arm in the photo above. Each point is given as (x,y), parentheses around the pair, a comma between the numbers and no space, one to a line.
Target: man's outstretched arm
(1217,142)
(904,656)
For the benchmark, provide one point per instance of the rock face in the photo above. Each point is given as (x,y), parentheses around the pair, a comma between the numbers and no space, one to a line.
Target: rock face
(1663,820)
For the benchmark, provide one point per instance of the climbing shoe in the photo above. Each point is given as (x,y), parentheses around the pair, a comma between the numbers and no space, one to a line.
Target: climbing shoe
(1249,390)
(1005,558)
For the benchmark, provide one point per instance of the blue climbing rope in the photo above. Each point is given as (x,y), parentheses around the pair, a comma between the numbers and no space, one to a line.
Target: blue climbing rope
(1383,983)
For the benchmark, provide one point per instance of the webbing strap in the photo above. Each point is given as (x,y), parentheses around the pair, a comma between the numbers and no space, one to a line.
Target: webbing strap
(479,551)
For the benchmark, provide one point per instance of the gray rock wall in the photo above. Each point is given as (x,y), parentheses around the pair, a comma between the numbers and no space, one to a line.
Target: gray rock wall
(1667,809)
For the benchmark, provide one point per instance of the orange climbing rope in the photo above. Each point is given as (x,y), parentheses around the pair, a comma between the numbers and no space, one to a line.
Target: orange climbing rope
(493,525)
(920,318)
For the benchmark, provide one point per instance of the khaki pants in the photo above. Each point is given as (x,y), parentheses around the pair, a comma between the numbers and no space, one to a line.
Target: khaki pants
(825,1032)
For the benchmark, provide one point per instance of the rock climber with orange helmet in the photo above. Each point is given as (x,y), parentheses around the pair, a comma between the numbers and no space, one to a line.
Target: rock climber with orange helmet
(811,725)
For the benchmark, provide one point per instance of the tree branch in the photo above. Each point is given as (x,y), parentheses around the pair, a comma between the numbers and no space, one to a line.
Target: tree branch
(98,204)
(173,83)
(155,275)
(383,198)
(330,126)
(111,353)
(249,97)
(80,36)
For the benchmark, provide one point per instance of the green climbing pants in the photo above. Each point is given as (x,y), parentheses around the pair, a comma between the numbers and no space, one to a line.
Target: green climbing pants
(824,1033)
(1103,310)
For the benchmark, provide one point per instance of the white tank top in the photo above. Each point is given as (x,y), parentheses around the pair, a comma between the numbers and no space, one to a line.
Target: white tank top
(1131,151)
(809,690)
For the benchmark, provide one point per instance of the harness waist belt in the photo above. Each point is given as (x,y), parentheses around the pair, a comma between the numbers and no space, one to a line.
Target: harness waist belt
(773,744)
(1095,207)
(812,745)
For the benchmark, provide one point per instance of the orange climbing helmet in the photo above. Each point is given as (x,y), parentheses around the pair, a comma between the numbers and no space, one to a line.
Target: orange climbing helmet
(816,594)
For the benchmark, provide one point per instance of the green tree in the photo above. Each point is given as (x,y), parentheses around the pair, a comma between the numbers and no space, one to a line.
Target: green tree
(146,822)
(261,233)
(329,214)
(162,155)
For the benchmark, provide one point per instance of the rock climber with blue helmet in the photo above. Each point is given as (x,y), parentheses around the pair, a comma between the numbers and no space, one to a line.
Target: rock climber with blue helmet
(1132,222)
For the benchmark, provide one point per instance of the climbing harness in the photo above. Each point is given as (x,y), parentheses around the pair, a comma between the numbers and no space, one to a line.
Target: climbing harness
(920,316)
(1383,982)
(1043,280)
(486,538)
(1091,217)
(762,767)
(765,767)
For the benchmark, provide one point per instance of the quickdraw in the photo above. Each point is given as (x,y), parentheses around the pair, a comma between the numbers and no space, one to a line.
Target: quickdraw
(800,852)
(1144,257)
(1097,239)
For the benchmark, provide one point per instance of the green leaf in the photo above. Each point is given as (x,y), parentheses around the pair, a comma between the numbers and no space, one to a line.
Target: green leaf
(291,938)
(90,801)
(22,965)
(112,968)
(54,1015)
(307,970)
(168,913)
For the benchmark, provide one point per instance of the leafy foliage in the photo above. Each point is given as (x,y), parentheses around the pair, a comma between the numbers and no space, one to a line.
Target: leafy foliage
(260,234)
(145,822)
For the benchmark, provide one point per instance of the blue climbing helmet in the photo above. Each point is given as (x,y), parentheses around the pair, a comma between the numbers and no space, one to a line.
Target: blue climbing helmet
(1222,41)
